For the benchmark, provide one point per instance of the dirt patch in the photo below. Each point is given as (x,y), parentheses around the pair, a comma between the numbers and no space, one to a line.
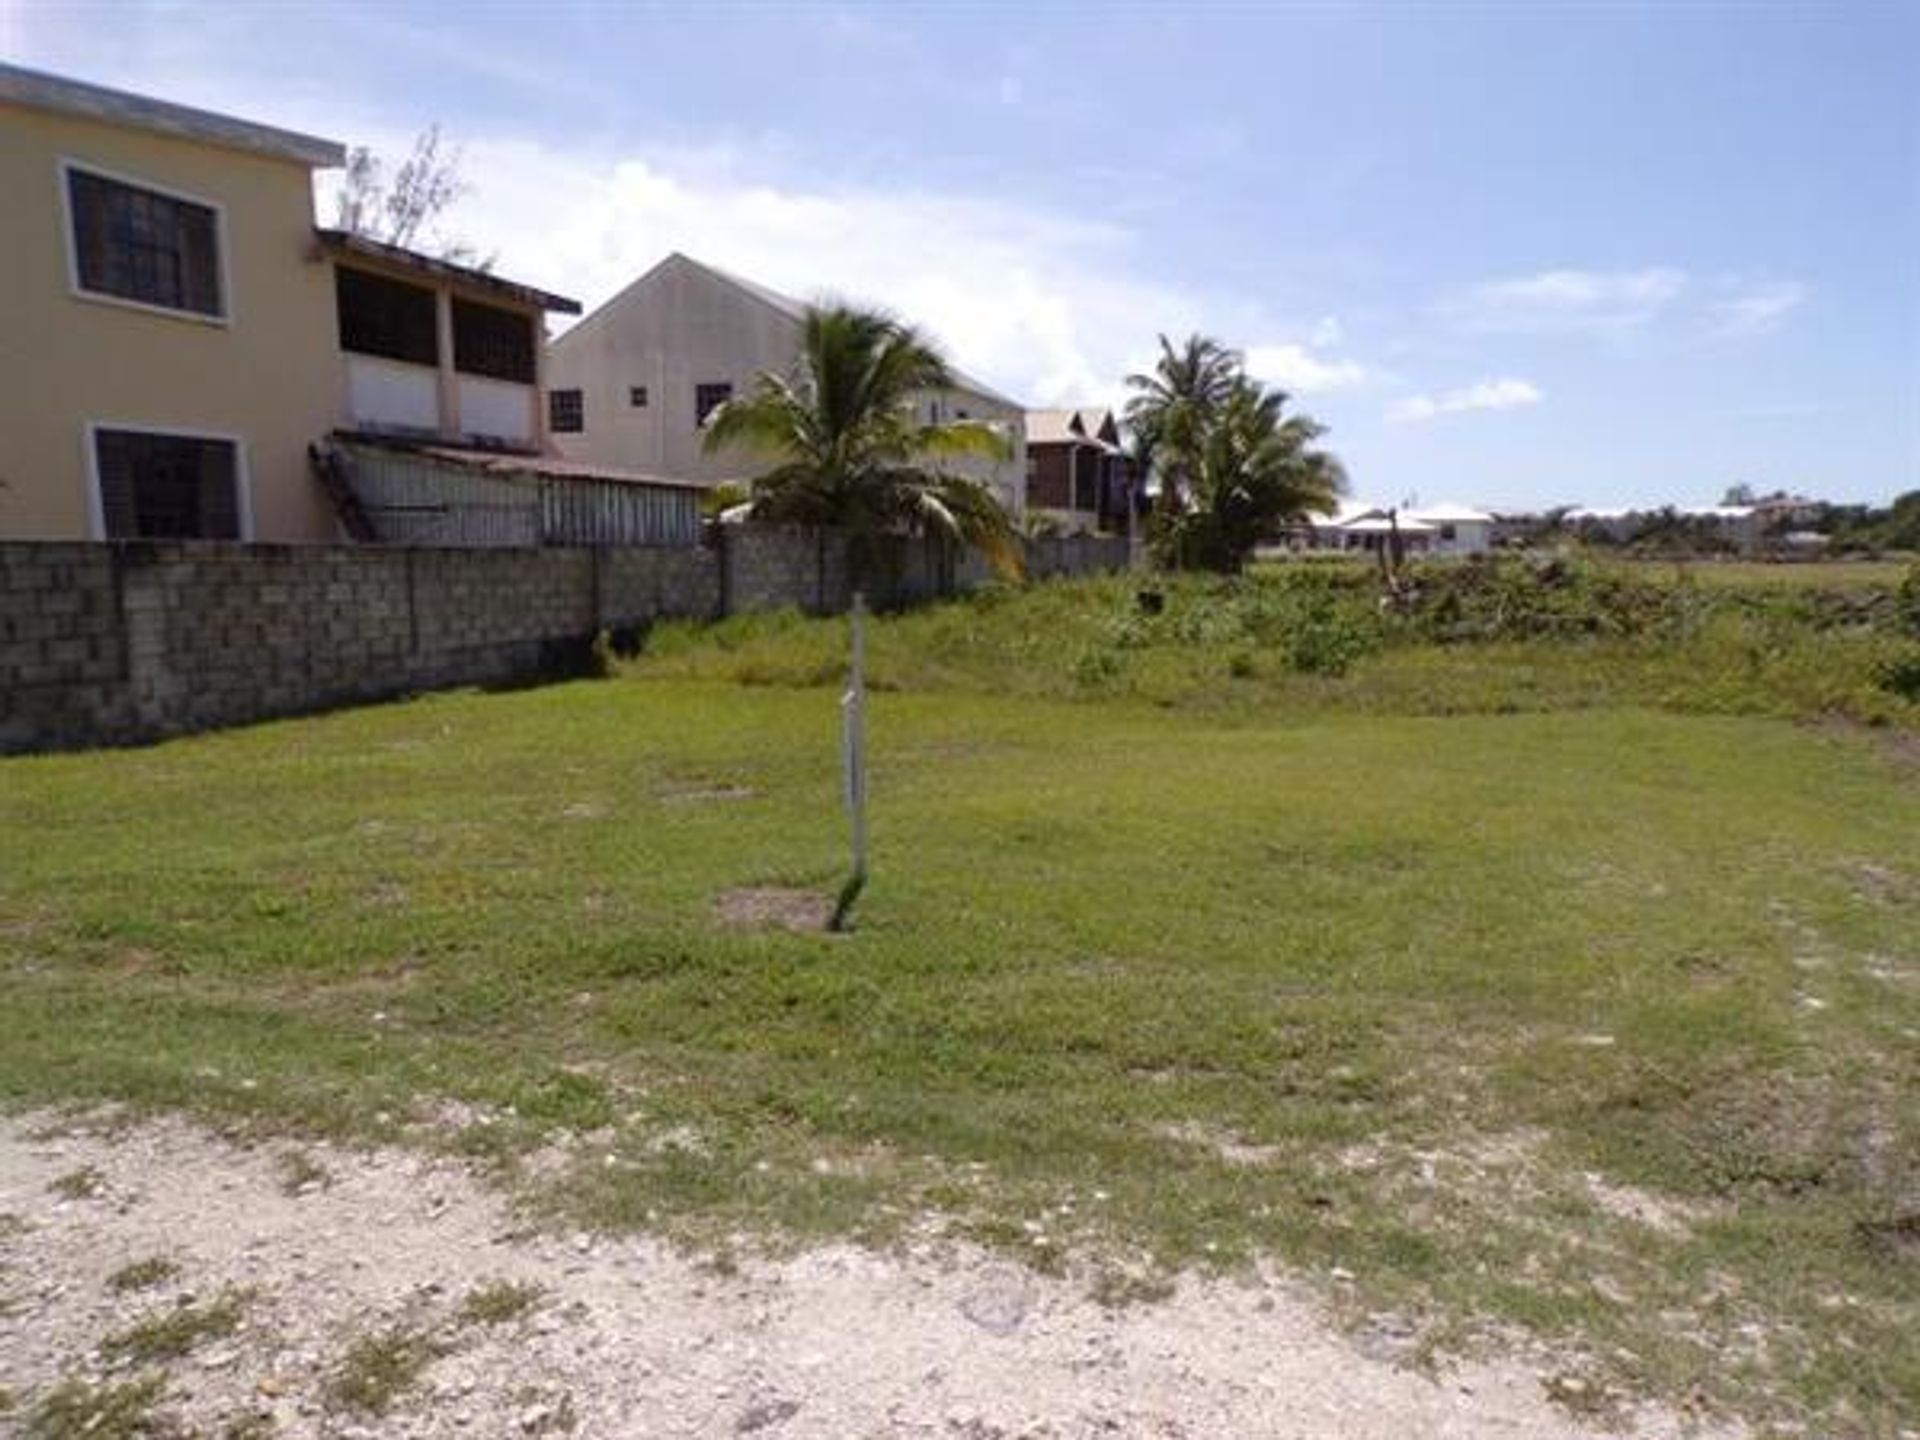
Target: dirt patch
(774,907)
(696,792)
(1225,1144)
(375,1306)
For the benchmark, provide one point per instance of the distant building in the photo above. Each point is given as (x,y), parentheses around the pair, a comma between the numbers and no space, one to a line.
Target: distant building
(1447,529)
(634,382)
(1078,477)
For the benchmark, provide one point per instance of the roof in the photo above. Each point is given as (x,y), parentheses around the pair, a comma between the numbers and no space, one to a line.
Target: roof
(342,242)
(36,90)
(793,309)
(1450,514)
(1381,525)
(508,465)
(1058,427)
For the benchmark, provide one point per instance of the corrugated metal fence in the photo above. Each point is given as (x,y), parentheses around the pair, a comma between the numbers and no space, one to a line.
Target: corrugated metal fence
(413,499)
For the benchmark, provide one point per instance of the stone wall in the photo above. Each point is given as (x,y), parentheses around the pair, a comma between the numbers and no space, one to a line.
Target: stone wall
(129,641)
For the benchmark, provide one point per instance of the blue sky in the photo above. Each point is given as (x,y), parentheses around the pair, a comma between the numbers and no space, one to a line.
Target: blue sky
(1510,253)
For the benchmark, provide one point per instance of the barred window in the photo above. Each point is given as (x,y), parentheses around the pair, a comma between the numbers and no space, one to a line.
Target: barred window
(136,244)
(709,398)
(182,487)
(566,412)
(492,342)
(386,317)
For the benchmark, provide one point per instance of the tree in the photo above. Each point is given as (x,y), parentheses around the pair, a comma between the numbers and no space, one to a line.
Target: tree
(1172,408)
(424,188)
(1741,494)
(848,449)
(1256,471)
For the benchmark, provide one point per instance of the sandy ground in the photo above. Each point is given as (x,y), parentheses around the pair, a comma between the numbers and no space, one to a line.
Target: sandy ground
(629,1338)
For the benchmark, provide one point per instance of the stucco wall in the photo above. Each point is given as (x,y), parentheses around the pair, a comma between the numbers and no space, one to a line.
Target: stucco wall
(270,375)
(678,327)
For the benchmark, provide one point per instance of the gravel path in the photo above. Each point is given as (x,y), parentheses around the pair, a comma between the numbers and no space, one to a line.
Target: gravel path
(628,1338)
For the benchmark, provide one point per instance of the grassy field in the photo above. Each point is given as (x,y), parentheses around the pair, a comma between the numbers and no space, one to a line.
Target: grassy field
(1566,988)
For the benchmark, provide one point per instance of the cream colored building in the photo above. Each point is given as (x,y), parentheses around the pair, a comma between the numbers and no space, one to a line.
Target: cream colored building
(175,333)
(633,382)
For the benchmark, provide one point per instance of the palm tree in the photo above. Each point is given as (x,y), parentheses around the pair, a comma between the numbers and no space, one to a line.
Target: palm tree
(848,449)
(1256,471)
(1171,408)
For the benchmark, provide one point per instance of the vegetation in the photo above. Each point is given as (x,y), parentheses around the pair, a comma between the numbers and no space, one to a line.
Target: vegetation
(379,1368)
(497,1303)
(77,1410)
(1304,638)
(1234,471)
(405,210)
(1196,936)
(177,1332)
(143,1274)
(847,446)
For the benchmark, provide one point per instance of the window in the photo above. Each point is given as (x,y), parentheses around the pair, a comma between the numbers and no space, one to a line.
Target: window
(637,397)
(709,398)
(566,412)
(386,317)
(135,244)
(1447,532)
(183,487)
(492,342)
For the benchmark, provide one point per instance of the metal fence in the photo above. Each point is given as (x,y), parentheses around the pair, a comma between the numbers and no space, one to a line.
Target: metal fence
(418,499)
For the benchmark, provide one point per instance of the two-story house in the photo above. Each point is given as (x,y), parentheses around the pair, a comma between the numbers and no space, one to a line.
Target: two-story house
(633,383)
(175,333)
(1079,478)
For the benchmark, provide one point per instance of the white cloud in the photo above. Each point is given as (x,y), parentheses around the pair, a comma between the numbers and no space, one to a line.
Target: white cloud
(1297,370)
(1566,302)
(1328,331)
(1757,308)
(1502,394)
(1049,307)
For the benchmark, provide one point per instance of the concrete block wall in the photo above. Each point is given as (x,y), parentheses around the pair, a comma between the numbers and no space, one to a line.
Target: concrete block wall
(130,641)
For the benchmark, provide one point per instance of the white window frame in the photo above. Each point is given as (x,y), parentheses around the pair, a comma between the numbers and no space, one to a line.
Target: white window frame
(69,166)
(96,502)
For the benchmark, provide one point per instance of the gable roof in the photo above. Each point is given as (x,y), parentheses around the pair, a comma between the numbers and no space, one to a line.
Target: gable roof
(37,90)
(786,305)
(1078,426)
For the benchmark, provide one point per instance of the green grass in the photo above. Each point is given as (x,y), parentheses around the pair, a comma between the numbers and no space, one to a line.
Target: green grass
(497,1302)
(1144,979)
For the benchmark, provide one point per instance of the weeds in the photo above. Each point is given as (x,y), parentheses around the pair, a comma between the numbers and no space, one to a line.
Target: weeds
(82,1184)
(497,1303)
(177,1332)
(378,1369)
(78,1410)
(143,1274)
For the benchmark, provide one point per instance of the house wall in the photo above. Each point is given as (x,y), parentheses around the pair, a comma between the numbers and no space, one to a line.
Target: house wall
(679,327)
(675,328)
(268,375)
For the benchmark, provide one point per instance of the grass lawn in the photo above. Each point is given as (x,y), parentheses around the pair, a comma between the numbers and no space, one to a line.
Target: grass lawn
(1601,1023)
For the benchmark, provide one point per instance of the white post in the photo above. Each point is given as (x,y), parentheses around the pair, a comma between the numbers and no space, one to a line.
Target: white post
(853,753)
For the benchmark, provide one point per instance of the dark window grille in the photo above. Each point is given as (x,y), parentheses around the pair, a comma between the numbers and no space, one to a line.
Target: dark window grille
(177,487)
(637,397)
(135,244)
(709,398)
(492,342)
(566,412)
(386,317)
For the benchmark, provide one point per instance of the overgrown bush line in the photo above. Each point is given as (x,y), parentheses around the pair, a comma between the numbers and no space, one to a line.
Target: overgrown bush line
(1500,634)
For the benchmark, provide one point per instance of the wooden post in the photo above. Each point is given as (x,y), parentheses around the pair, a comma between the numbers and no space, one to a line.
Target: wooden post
(853,754)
